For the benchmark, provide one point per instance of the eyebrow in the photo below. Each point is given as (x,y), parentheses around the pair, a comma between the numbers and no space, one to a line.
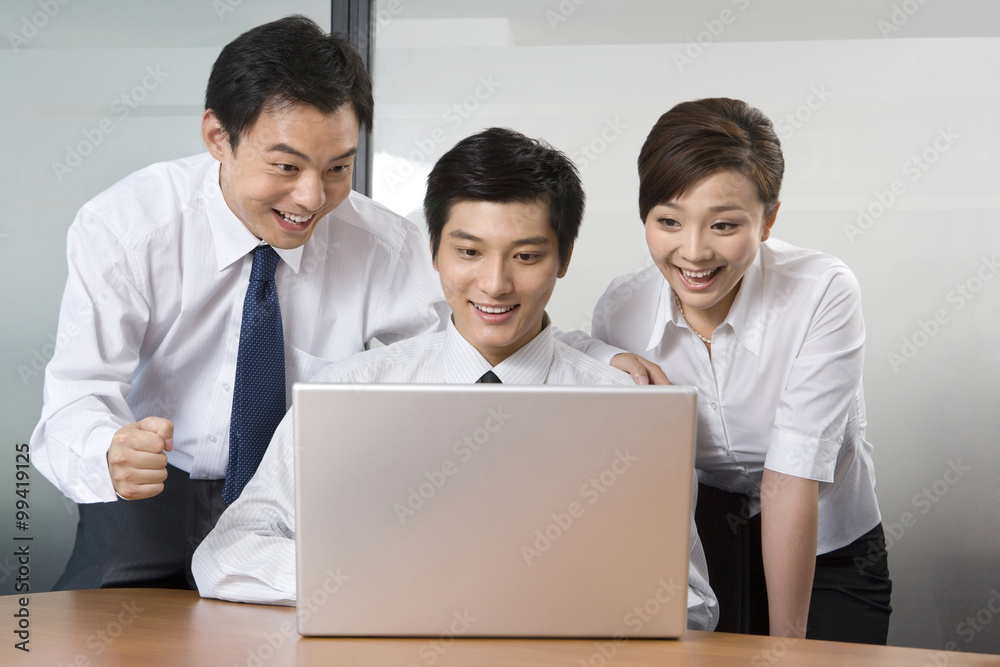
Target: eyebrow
(721,208)
(285,148)
(466,236)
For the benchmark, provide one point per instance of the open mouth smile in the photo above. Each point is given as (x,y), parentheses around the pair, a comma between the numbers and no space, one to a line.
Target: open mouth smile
(293,222)
(495,314)
(698,279)
(494,310)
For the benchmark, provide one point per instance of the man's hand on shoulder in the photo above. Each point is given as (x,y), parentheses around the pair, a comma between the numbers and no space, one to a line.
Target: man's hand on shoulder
(642,370)
(137,460)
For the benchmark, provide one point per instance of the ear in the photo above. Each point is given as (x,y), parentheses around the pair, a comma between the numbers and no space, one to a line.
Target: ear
(769,222)
(434,257)
(565,266)
(213,135)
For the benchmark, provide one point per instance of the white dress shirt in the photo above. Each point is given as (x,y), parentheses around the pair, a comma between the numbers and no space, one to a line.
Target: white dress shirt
(782,386)
(150,319)
(250,555)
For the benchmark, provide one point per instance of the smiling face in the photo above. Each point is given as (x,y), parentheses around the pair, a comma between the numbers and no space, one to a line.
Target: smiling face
(292,167)
(705,240)
(498,263)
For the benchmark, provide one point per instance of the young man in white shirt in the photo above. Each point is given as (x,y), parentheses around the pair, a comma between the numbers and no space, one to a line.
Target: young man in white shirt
(142,400)
(503,213)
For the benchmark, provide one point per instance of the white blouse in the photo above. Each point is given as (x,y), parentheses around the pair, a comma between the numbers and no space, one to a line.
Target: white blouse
(782,386)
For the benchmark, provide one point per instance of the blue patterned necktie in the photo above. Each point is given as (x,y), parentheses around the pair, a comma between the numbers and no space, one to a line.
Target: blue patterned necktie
(259,390)
(489,377)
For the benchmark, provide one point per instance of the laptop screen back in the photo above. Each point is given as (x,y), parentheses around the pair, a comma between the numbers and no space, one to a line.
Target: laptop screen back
(493,510)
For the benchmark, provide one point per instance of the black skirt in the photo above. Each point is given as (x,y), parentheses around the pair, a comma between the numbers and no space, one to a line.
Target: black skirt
(851,585)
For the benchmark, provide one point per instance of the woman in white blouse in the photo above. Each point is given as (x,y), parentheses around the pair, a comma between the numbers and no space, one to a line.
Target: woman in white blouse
(773,338)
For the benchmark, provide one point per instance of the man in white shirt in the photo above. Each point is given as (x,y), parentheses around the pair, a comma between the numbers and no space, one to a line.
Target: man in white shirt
(142,387)
(503,212)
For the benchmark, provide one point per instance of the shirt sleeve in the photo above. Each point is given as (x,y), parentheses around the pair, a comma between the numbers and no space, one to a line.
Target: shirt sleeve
(597,344)
(702,603)
(599,320)
(593,347)
(102,321)
(250,554)
(411,301)
(613,309)
(822,384)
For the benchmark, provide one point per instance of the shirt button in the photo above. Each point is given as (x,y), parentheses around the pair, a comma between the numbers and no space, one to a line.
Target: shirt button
(714,406)
(212,438)
(226,386)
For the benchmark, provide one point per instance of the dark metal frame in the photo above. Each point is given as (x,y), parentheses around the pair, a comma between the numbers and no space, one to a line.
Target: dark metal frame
(354,19)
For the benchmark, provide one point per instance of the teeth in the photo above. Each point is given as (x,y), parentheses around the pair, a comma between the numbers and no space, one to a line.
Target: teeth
(698,274)
(297,219)
(493,311)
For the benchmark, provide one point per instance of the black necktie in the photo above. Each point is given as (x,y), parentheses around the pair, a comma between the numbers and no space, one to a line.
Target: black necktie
(259,390)
(489,377)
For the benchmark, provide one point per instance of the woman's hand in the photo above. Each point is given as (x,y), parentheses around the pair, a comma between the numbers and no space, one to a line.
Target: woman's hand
(643,371)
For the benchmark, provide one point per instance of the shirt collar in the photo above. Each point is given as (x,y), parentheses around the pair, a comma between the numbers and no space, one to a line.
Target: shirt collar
(667,313)
(745,316)
(232,239)
(463,364)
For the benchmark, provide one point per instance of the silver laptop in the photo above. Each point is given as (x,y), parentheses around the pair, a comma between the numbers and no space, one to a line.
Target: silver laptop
(493,510)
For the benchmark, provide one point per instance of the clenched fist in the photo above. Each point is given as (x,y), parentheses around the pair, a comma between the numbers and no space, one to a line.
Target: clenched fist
(137,460)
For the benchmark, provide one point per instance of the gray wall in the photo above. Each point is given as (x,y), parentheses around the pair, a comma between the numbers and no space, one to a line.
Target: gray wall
(854,106)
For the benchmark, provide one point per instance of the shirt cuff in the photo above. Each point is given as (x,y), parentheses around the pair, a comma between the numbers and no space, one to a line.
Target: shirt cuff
(88,479)
(700,614)
(801,455)
(603,352)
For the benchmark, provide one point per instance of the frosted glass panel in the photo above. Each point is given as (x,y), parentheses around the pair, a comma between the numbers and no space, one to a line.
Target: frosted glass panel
(887,114)
(92,90)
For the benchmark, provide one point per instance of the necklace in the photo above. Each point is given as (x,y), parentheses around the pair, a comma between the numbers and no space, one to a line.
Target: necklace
(680,307)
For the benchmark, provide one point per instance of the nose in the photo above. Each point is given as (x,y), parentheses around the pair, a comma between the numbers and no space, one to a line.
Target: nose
(495,277)
(309,192)
(695,246)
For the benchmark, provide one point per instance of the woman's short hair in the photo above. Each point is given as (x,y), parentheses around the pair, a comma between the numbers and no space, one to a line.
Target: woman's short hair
(695,139)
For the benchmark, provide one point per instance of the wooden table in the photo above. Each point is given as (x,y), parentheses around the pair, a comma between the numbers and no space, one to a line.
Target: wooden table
(140,627)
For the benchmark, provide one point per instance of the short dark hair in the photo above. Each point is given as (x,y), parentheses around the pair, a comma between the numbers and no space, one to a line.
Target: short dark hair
(695,139)
(286,62)
(501,165)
